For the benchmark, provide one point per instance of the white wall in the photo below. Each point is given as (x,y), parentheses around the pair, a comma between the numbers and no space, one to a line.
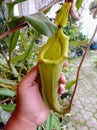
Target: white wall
(32,6)
(88,23)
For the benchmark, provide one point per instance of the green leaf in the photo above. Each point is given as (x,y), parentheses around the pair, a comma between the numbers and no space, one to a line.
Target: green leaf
(42,24)
(7,82)
(7,92)
(47,10)
(17,1)
(13,41)
(25,55)
(70,84)
(1,2)
(29,48)
(11,7)
(8,107)
(39,21)
(14,71)
(39,128)
(56,122)
(18,58)
(52,122)
(78,43)
(49,122)
(0,119)
(15,21)
(3,63)
(78,4)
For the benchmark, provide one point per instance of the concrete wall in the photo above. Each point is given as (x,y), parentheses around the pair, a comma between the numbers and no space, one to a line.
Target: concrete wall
(30,6)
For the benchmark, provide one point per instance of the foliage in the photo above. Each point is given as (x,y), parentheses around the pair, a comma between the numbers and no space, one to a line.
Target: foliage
(77,40)
(52,122)
(94,2)
(8,107)
(78,4)
(93,8)
(38,19)
(73,31)
(18,53)
(19,44)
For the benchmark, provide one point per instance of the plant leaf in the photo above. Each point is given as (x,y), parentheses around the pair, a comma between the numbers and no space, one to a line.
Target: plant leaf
(12,41)
(70,84)
(78,43)
(11,5)
(14,70)
(49,122)
(29,48)
(1,2)
(78,4)
(39,21)
(15,21)
(56,122)
(0,119)
(52,122)
(7,82)
(8,107)
(7,92)
(39,128)
(17,58)
(42,24)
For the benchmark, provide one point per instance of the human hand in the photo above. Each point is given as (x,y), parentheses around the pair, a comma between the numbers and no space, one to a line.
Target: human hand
(30,105)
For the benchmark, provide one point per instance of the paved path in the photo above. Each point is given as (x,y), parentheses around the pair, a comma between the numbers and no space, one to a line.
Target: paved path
(84,109)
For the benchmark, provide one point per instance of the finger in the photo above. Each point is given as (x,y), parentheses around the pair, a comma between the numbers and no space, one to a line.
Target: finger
(62,79)
(31,76)
(62,84)
(65,64)
(38,79)
(61,89)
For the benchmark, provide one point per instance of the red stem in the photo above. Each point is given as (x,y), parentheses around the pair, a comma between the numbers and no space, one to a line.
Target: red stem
(10,31)
(83,57)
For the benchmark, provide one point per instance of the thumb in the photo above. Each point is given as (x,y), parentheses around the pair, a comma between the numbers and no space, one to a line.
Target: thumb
(31,76)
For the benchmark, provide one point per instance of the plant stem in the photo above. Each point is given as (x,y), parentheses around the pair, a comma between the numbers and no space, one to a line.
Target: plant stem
(10,31)
(49,5)
(3,53)
(78,71)
(28,50)
(7,60)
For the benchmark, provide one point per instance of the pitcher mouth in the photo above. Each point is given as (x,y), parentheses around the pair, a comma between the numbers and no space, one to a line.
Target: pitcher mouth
(51,60)
(55,50)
